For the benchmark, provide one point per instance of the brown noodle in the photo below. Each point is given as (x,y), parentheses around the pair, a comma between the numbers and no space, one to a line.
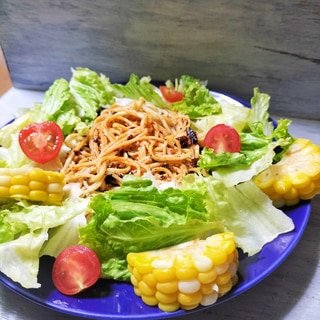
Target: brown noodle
(133,139)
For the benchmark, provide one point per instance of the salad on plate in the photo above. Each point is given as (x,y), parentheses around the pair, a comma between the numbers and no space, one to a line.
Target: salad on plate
(160,186)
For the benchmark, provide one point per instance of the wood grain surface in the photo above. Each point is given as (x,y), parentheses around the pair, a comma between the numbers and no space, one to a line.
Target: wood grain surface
(5,81)
(235,45)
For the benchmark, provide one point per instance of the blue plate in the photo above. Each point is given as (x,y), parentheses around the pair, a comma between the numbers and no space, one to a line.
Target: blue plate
(114,300)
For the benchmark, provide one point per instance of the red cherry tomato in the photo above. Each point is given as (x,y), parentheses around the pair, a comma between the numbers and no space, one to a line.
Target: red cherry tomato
(76,268)
(222,138)
(170,94)
(41,142)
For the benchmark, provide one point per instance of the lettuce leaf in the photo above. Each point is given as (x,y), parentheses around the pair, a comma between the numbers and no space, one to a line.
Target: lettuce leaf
(259,111)
(197,101)
(243,209)
(75,104)
(232,114)
(90,92)
(136,88)
(24,229)
(138,217)
(72,104)
(262,144)
(20,258)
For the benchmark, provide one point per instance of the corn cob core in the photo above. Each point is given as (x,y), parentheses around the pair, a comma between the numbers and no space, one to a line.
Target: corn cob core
(295,177)
(33,184)
(187,275)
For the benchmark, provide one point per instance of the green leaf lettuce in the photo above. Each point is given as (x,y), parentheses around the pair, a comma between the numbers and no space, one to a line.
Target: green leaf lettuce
(138,217)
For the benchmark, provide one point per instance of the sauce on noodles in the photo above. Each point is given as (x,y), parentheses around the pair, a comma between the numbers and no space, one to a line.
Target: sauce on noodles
(136,138)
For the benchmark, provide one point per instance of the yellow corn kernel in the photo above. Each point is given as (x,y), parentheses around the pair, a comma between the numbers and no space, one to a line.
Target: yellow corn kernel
(134,281)
(20,180)
(207,289)
(165,274)
(37,185)
(4,192)
(300,180)
(295,177)
(54,177)
(222,268)
(19,190)
(292,194)
(130,269)
(149,300)
(190,299)
(185,267)
(136,273)
(137,291)
(276,196)
(38,195)
(189,307)
(54,197)
(149,280)
(307,189)
(145,289)
(38,175)
(142,266)
(32,184)
(168,287)
(316,176)
(169,307)
(310,195)
(207,277)
(225,288)
(218,256)
(166,298)
(187,275)
(223,278)
(282,185)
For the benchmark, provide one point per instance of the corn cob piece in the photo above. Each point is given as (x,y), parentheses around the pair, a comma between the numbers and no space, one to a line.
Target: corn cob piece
(187,275)
(33,184)
(295,177)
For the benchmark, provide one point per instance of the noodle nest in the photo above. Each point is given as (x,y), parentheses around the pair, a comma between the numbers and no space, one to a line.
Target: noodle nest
(136,138)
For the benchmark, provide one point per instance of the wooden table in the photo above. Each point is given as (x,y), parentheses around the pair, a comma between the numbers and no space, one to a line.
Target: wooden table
(5,81)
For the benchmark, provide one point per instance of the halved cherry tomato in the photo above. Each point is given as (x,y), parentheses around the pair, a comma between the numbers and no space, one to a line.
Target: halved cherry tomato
(171,94)
(222,138)
(41,142)
(75,269)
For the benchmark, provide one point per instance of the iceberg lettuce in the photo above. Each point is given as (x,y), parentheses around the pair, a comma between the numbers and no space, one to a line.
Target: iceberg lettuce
(243,209)
(262,143)
(24,230)
(138,217)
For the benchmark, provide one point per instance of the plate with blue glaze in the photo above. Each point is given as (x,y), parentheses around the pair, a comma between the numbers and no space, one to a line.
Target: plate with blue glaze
(116,300)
